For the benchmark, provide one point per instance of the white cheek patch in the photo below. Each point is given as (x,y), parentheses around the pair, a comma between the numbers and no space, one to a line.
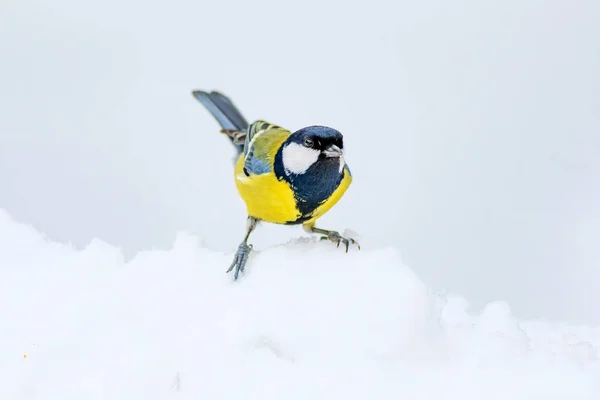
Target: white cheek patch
(297,159)
(342,163)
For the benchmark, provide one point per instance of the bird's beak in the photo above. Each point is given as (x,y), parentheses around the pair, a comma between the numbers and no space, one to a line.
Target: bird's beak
(332,151)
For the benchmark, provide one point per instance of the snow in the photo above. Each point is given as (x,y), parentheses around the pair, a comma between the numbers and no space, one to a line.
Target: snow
(307,321)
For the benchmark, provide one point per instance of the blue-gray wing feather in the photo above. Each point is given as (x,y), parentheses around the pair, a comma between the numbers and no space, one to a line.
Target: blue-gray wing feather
(259,137)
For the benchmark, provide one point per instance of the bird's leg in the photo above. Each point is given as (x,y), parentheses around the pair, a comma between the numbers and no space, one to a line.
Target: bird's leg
(243,251)
(333,236)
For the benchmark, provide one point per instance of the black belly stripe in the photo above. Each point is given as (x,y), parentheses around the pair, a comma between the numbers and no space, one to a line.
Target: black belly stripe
(299,220)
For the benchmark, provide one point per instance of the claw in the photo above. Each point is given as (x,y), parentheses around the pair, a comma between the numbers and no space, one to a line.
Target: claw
(240,259)
(336,238)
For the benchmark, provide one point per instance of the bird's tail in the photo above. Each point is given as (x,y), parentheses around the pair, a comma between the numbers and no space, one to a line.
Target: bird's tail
(226,114)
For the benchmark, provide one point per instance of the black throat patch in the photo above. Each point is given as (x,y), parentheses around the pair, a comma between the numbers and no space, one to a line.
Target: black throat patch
(313,187)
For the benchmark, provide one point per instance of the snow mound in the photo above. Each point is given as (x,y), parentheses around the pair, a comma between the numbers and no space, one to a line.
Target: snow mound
(307,321)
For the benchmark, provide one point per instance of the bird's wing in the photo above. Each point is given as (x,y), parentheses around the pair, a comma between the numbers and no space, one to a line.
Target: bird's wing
(262,142)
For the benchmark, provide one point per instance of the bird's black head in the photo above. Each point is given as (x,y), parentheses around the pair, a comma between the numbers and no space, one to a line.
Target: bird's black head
(311,160)
(318,137)
(312,145)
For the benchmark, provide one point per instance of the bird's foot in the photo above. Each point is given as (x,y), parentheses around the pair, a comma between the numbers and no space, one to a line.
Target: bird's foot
(240,259)
(336,238)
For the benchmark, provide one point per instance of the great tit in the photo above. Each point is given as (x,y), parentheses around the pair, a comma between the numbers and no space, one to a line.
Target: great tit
(282,177)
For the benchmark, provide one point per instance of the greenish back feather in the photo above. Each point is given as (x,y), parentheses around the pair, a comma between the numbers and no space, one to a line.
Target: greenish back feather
(262,142)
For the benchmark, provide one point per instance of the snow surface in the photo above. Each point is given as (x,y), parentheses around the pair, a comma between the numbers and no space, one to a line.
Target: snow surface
(307,321)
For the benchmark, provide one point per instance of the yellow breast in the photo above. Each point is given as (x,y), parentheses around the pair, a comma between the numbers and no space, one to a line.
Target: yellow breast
(265,196)
(272,200)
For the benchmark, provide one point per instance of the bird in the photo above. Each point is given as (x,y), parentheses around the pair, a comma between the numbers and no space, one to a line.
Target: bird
(283,177)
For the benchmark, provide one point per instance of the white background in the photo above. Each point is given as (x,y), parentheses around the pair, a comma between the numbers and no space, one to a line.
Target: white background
(472,129)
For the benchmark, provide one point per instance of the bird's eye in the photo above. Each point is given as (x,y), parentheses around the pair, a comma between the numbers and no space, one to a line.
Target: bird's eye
(308,142)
